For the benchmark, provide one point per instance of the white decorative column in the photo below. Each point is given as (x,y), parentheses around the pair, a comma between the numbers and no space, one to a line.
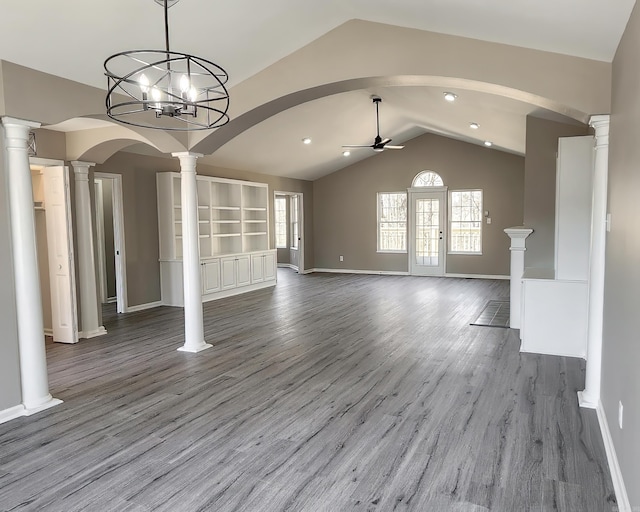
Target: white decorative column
(193,320)
(518,236)
(590,397)
(86,260)
(33,358)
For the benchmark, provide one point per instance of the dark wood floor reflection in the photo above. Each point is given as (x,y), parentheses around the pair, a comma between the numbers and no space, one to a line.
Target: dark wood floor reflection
(327,393)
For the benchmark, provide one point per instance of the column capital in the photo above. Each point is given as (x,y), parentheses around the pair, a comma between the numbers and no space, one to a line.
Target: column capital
(182,154)
(518,235)
(13,121)
(187,160)
(601,125)
(81,169)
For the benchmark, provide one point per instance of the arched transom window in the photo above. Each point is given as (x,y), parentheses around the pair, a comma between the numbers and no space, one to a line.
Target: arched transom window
(427,179)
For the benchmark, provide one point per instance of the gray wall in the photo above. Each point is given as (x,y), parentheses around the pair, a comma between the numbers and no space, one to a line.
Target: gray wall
(540,187)
(43,267)
(621,350)
(10,393)
(345,203)
(109,248)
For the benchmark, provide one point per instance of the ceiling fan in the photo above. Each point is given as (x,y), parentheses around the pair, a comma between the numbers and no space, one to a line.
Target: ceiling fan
(378,143)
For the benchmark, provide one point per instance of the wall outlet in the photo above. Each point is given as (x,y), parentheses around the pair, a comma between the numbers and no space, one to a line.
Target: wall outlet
(341,258)
(488,220)
(620,414)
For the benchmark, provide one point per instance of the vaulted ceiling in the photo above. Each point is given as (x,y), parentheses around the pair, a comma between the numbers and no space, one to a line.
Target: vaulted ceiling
(72,38)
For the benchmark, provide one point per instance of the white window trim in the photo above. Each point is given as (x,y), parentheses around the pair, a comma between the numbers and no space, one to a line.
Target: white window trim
(465,253)
(388,251)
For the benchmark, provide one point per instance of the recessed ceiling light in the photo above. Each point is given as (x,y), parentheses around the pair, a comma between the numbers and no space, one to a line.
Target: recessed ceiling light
(346,153)
(488,143)
(449,96)
(306,140)
(474,126)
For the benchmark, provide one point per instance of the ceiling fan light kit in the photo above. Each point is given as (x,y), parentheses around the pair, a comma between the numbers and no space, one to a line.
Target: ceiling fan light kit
(379,144)
(166,90)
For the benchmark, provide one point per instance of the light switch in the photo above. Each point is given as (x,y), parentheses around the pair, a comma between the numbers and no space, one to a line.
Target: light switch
(488,220)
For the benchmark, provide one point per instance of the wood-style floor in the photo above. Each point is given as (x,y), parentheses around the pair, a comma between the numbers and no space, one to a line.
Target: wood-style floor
(328,393)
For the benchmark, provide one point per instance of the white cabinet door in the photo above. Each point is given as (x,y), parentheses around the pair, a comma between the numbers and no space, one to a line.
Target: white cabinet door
(270,265)
(257,268)
(210,276)
(243,270)
(228,273)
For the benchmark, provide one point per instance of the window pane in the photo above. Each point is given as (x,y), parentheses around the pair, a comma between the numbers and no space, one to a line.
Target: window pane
(465,230)
(392,221)
(280,211)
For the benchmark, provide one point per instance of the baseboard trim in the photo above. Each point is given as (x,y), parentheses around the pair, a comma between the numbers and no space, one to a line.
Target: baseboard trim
(111,300)
(400,273)
(12,413)
(287,265)
(48,332)
(478,276)
(142,307)
(353,271)
(614,467)
(100,331)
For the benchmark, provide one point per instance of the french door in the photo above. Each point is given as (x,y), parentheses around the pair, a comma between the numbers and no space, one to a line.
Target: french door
(427,238)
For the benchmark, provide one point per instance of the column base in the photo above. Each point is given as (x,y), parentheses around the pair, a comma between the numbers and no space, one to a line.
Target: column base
(195,350)
(586,402)
(52,402)
(100,331)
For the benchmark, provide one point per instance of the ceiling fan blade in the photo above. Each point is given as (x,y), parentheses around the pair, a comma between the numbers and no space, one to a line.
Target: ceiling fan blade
(394,147)
(357,146)
(385,141)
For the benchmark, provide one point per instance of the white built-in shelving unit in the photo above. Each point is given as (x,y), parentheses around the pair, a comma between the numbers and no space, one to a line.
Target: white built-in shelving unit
(233,226)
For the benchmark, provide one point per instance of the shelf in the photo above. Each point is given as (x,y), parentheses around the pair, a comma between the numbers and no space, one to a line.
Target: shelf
(256,221)
(225,221)
(235,208)
(224,235)
(256,233)
(260,209)
(203,207)
(204,236)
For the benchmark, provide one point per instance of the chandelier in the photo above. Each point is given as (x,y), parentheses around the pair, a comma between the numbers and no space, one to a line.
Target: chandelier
(166,90)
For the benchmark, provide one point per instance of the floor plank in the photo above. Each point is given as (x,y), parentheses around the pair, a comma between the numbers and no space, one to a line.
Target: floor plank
(330,392)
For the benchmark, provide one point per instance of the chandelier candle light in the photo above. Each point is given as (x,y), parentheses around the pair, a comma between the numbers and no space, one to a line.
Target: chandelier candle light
(166,90)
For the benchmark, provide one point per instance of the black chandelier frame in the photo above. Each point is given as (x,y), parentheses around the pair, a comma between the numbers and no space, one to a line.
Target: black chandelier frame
(183,87)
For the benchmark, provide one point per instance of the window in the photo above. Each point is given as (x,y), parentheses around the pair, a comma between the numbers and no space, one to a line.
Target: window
(465,222)
(280,210)
(427,179)
(392,222)
(295,228)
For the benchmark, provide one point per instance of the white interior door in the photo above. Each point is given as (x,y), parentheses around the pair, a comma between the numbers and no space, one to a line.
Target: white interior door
(61,266)
(427,233)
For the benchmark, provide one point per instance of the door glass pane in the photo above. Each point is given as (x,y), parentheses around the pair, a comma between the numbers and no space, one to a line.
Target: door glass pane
(427,232)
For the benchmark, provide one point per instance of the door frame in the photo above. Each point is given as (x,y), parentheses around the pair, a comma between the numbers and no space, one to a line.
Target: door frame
(412,193)
(300,225)
(41,165)
(118,238)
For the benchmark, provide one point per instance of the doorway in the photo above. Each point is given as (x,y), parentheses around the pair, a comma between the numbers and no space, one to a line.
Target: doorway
(289,226)
(54,241)
(427,237)
(110,240)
